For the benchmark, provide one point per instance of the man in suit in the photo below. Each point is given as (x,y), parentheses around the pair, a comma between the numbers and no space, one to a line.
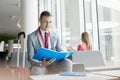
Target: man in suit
(36,40)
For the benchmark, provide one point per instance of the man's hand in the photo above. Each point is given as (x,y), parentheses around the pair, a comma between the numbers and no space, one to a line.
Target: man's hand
(46,63)
(70,48)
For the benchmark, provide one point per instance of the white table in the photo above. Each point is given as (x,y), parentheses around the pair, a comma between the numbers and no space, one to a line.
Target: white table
(102,68)
(112,73)
(89,76)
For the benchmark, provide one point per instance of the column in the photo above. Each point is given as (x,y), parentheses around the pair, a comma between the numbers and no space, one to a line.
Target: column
(29,17)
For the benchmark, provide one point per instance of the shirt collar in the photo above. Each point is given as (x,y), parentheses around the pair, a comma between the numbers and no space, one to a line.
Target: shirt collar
(43,31)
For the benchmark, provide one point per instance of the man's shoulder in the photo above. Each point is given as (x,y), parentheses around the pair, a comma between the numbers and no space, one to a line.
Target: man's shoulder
(33,34)
(53,33)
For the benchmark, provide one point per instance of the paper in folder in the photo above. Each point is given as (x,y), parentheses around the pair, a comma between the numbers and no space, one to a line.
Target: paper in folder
(48,54)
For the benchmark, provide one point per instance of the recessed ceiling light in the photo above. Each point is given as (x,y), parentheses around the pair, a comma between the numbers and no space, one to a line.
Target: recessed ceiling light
(13,17)
(18,4)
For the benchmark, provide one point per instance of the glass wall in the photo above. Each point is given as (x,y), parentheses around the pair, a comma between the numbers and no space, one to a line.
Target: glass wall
(109,25)
(98,17)
(88,17)
(71,24)
(66,20)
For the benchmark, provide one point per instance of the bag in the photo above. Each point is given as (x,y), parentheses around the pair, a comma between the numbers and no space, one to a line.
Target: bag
(14,73)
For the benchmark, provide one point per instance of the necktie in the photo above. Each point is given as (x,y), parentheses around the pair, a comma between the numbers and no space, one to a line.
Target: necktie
(46,40)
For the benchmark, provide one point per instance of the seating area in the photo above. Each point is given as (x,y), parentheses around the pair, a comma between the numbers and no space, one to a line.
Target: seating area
(83,61)
(13,60)
(90,61)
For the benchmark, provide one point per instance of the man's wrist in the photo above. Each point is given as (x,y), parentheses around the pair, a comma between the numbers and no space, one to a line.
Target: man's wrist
(41,65)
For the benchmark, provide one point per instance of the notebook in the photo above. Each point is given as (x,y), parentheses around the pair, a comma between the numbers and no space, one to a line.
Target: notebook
(48,54)
(73,73)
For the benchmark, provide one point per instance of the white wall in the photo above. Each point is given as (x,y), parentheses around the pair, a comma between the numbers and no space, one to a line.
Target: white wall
(2,45)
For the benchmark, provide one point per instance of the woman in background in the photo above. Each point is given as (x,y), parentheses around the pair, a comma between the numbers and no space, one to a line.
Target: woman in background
(86,43)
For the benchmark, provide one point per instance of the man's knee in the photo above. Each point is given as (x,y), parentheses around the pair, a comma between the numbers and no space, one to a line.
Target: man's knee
(67,62)
(61,66)
(66,65)
(38,70)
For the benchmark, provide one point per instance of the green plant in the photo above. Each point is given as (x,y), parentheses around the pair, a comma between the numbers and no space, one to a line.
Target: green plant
(6,37)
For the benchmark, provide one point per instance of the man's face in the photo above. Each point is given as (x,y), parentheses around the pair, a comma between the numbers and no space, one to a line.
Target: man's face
(46,23)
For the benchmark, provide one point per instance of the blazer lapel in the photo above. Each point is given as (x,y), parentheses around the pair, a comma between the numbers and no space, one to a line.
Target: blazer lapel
(39,39)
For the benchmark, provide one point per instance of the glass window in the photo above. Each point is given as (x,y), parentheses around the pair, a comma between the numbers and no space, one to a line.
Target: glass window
(91,21)
(98,17)
(88,18)
(109,25)
(70,23)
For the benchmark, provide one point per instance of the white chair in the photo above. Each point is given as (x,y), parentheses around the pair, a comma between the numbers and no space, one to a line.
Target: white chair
(88,58)
(90,61)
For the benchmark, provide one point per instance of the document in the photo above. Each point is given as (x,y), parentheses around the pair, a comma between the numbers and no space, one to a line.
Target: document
(48,54)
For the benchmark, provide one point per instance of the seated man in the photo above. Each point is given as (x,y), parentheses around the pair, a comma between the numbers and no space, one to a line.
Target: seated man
(50,41)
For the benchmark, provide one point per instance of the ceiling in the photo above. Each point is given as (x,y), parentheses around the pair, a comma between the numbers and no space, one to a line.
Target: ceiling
(9,16)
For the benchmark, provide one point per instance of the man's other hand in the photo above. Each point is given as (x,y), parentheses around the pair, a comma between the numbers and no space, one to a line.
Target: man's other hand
(46,63)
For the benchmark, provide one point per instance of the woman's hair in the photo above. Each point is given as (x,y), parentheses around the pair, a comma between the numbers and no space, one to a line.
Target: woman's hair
(86,38)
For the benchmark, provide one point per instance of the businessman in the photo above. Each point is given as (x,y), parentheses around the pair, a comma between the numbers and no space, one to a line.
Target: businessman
(45,37)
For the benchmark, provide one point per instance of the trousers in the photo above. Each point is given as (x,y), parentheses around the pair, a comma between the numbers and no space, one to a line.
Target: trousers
(64,65)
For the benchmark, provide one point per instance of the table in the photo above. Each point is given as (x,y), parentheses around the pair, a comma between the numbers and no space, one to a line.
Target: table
(89,76)
(102,68)
(111,73)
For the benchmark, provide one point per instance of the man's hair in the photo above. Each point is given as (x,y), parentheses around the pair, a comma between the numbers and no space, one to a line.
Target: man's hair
(45,13)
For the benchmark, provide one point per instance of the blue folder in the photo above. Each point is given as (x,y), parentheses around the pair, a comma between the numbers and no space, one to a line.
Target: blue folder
(48,54)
